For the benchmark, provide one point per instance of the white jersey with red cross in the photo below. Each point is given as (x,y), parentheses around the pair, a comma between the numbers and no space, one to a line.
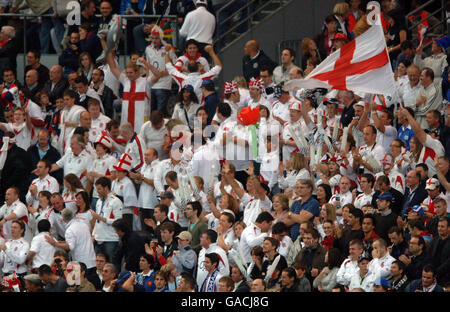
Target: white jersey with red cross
(135,104)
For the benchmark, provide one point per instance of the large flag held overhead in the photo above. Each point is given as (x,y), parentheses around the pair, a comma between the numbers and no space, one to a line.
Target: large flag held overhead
(362,65)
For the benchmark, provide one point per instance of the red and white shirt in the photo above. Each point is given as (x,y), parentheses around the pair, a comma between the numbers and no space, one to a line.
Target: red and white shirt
(48,183)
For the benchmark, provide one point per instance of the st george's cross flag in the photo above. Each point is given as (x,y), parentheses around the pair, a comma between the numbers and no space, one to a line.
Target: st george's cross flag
(361,65)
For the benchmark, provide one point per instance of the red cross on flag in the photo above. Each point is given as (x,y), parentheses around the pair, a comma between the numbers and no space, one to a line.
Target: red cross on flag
(361,65)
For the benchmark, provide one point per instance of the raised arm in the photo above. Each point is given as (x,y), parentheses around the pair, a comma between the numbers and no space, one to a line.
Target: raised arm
(210,50)
(112,64)
(415,126)
(377,121)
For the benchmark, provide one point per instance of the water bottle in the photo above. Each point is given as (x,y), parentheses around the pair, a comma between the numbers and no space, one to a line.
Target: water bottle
(338,200)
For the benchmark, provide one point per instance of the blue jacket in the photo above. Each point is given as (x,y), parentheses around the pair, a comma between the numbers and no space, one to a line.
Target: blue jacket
(126,4)
(69,60)
(417,284)
(145,283)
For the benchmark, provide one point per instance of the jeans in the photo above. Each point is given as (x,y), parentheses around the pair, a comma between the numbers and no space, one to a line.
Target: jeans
(159,100)
(58,27)
(108,248)
(44,32)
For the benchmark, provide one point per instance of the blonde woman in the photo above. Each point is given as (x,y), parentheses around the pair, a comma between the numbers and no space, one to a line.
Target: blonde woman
(280,205)
(86,65)
(327,213)
(340,12)
(296,168)
(172,276)
(330,175)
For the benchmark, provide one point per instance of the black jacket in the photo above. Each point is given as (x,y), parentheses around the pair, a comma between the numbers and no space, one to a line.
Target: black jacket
(16,172)
(92,45)
(162,259)
(131,247)
(414,269)
(419,196)
(347,236)
(57,91)
(347,115)
(158,231)
(243,287)
(52,156)
(251,67)
(92,277)
(43,73)
(400,285)
(282,264)
(384,223)
(8,56)
(438,254)
(69,59)
(31,93)
(417,284)
(396,203)
(107,98)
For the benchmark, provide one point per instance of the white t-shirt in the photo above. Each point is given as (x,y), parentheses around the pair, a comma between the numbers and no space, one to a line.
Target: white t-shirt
(44,251)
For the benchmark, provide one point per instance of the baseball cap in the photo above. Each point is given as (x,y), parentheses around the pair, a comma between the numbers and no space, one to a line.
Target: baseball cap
(278,90)
(295,106)
(359,103)
(185,235)
(385,196)
(188,87)
(418,209)
(432,184)
(207,83)
(330,101)
(381,281)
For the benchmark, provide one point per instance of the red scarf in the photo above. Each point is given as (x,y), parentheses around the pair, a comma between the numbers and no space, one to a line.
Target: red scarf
(327,242)
(2,43)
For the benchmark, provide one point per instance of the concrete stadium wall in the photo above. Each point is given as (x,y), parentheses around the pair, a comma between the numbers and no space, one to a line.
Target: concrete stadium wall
(300,18)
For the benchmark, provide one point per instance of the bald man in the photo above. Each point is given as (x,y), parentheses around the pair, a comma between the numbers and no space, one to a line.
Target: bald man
(295,73)
(254,59)
(32,85)
(57,84)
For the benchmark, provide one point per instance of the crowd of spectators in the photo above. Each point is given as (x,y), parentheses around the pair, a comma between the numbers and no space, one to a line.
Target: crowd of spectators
(99,176)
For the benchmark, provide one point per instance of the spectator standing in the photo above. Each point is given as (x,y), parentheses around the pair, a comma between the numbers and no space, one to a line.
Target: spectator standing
(155,54)
(78,240)
(33,62)
(199,25)
(8,51)
(56,85)
(254,59)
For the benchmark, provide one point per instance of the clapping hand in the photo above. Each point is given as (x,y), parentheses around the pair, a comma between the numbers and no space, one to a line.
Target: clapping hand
(251,169)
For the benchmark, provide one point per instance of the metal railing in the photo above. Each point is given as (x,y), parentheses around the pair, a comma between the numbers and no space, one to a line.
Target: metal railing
(26,17)
(439,14)
(252,8)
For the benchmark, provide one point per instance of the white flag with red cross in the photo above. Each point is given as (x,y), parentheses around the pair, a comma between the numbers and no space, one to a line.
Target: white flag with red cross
(361,65)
